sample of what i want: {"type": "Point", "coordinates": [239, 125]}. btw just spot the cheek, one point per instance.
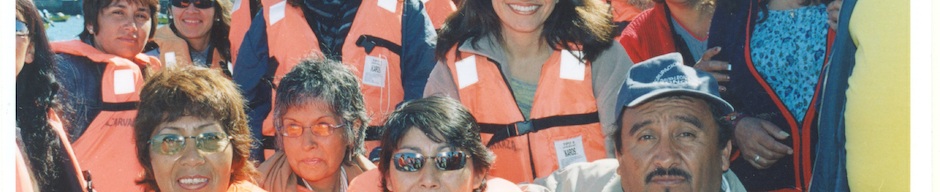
{"type": "Point", "coordinates": [162, 170]}
{"type": "Point", "coordinates": [222, 165]}
{"type": "Point", "coordinates": [401, 181]}
{"type": "Point", "coordinates": [461, 180]}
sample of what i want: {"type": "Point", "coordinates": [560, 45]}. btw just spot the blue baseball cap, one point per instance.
{"type": "Point", "coordinates": [667, 74]}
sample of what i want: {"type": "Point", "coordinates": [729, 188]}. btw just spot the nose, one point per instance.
{"type": "Point", "coordinates": [429, 178]}
{"type": "Point", "coordinates": [309, 141]}
{"type": "Point", "coordinates": [666, 154]}
{"type": "Point", "coordinates": [191, 156]}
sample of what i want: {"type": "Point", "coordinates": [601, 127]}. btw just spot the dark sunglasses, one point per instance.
{"type": "Point", "coordinates": [21, 28]}
{"type": "Point", "coordinates": [202, 4]}
{"type": "Point", "coordinates": [170, 144]}
{"type": "Point", "coordinates": [444, 161]}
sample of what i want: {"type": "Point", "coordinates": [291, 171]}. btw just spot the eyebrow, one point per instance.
{"type": "Point", "coordinates": [639, 125]}
{"type": "Point", "coordinates": [198, 127]}
{"type": "Point", "coordinates": [691, 120]}
{"type": "Point", "coordinates": [420, 151]}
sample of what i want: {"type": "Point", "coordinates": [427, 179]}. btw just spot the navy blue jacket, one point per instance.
{"type": "Point", "coordinates": [829, 173]}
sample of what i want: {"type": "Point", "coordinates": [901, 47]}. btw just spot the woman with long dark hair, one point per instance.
{"type": "Point", "coordinates": [539, 76]}
{"type": "Point", "coordinates": [196, 35]}
{"type": "Point", "coordinates": [46, 145]}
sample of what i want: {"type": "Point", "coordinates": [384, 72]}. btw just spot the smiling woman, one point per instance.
{"type": "Point", "coordinates": [197, 35]}
{"type": "Point", "coordinates": [192, 133]}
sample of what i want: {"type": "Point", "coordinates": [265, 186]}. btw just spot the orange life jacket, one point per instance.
{"type": "Point", "coordinates": [373, 47]}
{"type": "Point", "coordinates": [67, 149]}
{"type": "Point", "coordinates": [241, 21]}
{"type": "Point", "coordinates": [439, 10]}
{"type": "Point", "coordinates": [24, 179]}
{"type": "Point", "coordinates": [564, 125]}
{"type": "Point", "coordinates": [107, 147]}
{"type": "Point", "coordinates": [175, 50]}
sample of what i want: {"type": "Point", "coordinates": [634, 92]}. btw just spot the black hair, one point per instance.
{"type": "Point", "coordinates": [36, 88]}
{"type": "Point", "coordinates": [443, 120]}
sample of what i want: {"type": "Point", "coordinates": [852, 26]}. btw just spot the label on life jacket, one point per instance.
{"type": "Point", "coordinates": [571, 67]}
{"type": "Point", "coordinates": [389, 5]}
{"type": "Point", "coordinates": [124, 81]}
{"type": "Point", "coordinates": [467, 72]}
{"type": "Point", "coordinates": [375, 71]}
{"type": "Point", "coordinates": [570, 151]}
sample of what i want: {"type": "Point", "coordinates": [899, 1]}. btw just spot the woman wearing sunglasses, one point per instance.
{"type": "Point", "coordinates": [100, 76]}
{"type": "Point", "coordinates": [320, 118]}
{"type": "Point", "coordinates": [44, 146]}
{"type": "Point", "coordinates": [432, 144]}
{"type": "Point", "coordinates": [192, 133]}
{"type": "Point", "coordinates": [197, 35]}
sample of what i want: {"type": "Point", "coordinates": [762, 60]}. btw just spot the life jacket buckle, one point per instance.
{"type": "Point", "coordinates": [522, 128]}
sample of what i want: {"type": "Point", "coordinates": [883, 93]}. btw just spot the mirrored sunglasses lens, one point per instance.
{"type": "Point", "coordinates": [408, 162]}
{"type": "Point", "coordinates": [212, 142]}
{"type": "Point", "coordinates": [167, 144]}
{"type": "Point", "coordinates": [449, 161]}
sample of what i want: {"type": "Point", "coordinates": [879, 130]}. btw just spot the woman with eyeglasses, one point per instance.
{"type": "Point", "coordinates": [196, 35]}
{"type": "Point", "coordinates": [192, 133]}
{"type": "Point", "coordinates": [101, 74]}
{"type": "Point", "coordinates": [432, 144]}
{"type": "Point", "coordinates": [45, 151]}
{"type": "Point", "coordinates": [320, 119]}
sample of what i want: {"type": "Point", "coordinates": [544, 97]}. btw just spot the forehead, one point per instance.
{"type": "Point", "coordinates": [670, 108]}
{"type": "Point", "coordinates": [416, 138]}
{"type": "Point", "coordinates": [138, 4]}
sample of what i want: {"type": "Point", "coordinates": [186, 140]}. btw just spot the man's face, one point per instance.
{"type": "Point", "coordinates": [671, 144]}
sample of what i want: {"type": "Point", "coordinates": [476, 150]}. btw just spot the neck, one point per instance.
{"type": "Point", "coordinates": [199, 44]}
{"type": "Point", "coordinates": [326, 184]}
{"type": "Point", "coordinates": [524, 45]}
{"type": "Point", "coordinates": [695, 17]}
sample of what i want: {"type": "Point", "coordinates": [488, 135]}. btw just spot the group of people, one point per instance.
{"type": "Point", "coordinates": [495, 95]}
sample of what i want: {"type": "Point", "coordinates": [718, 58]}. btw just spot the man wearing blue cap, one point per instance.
{"type": "Point", "coordinates": [670, 137]}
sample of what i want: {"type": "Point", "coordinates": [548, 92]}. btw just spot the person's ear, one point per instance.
{"type": "Point", "coordinates": [726, 156]}
{"type": "Point", "coordinates": [388, 182]}
{"type": "Point", "coordinates": [479, 178]}
{"type": "Point", "coordinates": [30, 52]}
{"type": "Point", "coordinates": [91, 29]}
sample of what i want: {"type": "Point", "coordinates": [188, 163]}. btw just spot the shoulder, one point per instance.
{"type": "Point", "coordinates": [244, 186]}
{"type": "Point", "coordinates": [592, 175]}
{"type": "Point", "coordinates": [501, 185]}
{"type": "Point", "coordinates": [369, 181]}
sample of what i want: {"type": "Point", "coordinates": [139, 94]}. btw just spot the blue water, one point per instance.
{"type": "Point", "coordinates": [68, 30]}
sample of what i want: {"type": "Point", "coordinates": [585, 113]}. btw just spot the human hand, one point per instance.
{"type": "Point", "coordinates": [718, 69]}
{"type": "Point", "coordinates": [757, 140]}
{"type": "Point", "coordinates": [833, 9]}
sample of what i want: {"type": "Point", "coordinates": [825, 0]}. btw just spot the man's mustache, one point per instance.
{"type": "Point", "coordinates": [667, 172]}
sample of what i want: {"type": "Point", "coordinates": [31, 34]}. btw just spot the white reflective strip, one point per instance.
{"type": "Point", "coordinates": [276, 13]}
{"type": "Point", "coordinates": [388, 5]}
{"type": "Point", "coordinates": [238, 4]}
{"type": "Point", "coordinates": [571, 68]}
{"type": "Point", "coordinates": [169, 58]}
{"type": "Point", "coordinates": [467, 72]}
{"type": "Point", "coordinates": [124, 81]}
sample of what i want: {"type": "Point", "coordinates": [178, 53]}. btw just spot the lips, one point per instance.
{"type": "Point", "coordinates": [312, 161]}
{"type": "Point", "coordinates": [192, 182]}
{"type": "Point", "coordinates": [668, 180]}
{"type": "Point", "coordinates": [524, 9]}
